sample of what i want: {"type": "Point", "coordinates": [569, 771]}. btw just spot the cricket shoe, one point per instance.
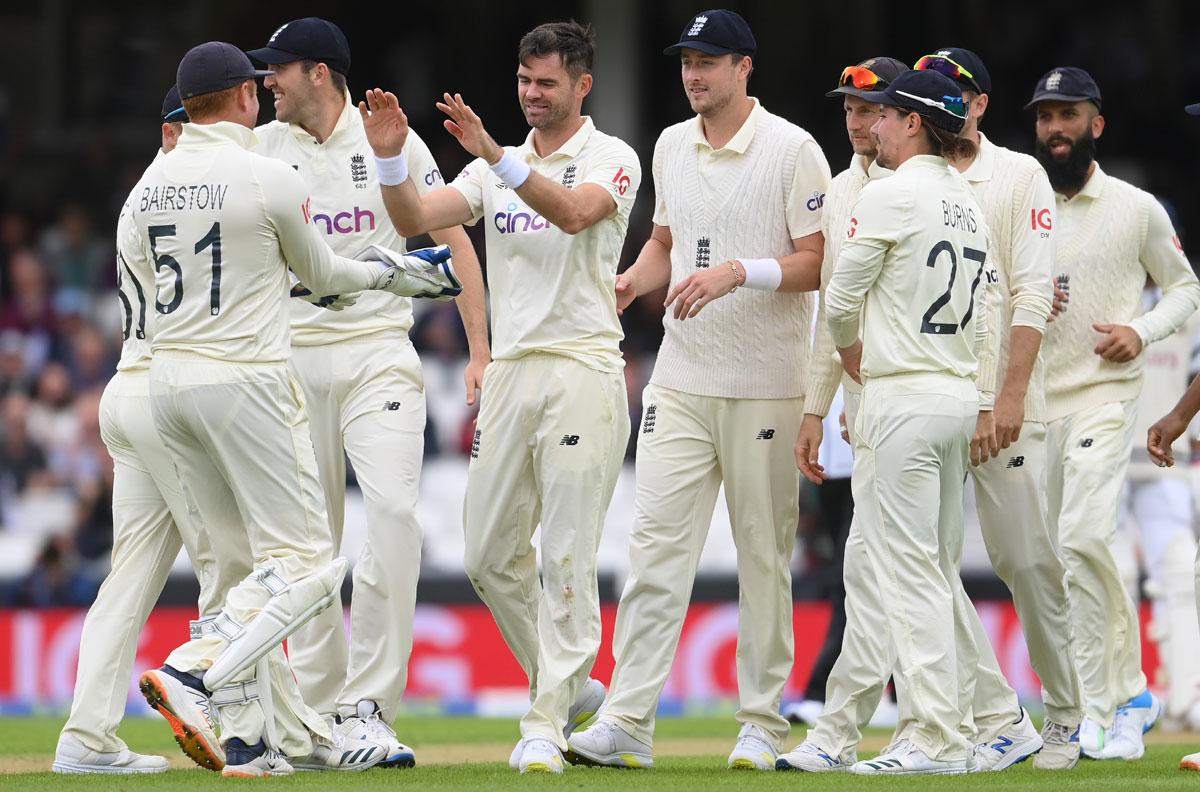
{"type": "Point", "coordinates": [1060, 747]}
{"type": "Point", "coordinates": [808, 758]}
{"type": "Point", "coordinates": [806, 711]}
{"type": "Point", "coordinates": [253, 761]}
{"type": "Point", "coordinates": [539, 755]}
{"type": "Point", "coordinates": [342, 753]}
{"type": "Point", "coordinates": [753, 750]}
{"type": "Point", "coordinates": [183, 701]}
{"type": "Point", "coordinates": [367, 725]}
{"type": "Point", "coordinates": [586, 705]}
{"type": "Point", "coordinates": [1190, 762]}
{"type": "Point", "coordinates": [905, 758]}
{"type": "Point", "coordinates": [605, 744]}
{"type": "Point", "coordinates": [73, 757]}
{"type": "Point", "coordinates": [1092, 737]}
{"type": "Point", "coordinates": [1016, 743]}
{"type": "Point", "coordinates": [1133, 719]}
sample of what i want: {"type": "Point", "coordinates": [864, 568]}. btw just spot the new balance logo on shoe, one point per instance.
{"type": "Point", "coordinates": [1015, 462]}
{"type": "Point", "coordinates": [1086, 443]}
{"type": "Point", "coordinates": [475, 445]}
{"type": "Point", "coordinates": [1002, 744]}
{"type": "Point", "coordinates": [765, 434]}
{"type": "Point", "coordinates": [391, 405]}
{"type": "Point", "coordinates": [569, 440]}
{"type": "Point", "coordinates": [648, 420]}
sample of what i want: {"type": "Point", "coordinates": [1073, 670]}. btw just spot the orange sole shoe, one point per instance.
{"type": "Point", "coordinates": [192, 742]}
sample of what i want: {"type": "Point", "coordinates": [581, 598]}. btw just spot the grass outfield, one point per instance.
{"type": "Point", "coordinates": [455, 753]}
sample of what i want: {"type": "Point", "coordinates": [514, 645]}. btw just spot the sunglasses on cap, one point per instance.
{"type": "Point", "coordinates": [953, 70]}
{"type": "Point", "coordinates": [860, 77]}
{"type": "Point", "coordinates": [954, 105]}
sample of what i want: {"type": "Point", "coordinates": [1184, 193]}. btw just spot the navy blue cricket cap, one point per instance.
{"type": "Point", "coordinates": [716, 32]}
{"type": "Point", "coordinates": [213, 66]}
{"type": "Point", "coordinates": [961, 65]}
{"type": "Point", "coordinates": [172, 109]}
{"type": "Point", "coordinates": [1194, 109]}
{"type": "Point", "coordinates": [932, 95]}
{"type": "Point", "coordinates": [882, 71]}
{"type": "Point", "coordinates": [311, 38]}
{"type": "Point", "coordinates": [1065, 84]}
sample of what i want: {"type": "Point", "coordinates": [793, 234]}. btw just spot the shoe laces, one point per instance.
{"type": "Point", "coordinates": [754, 738]}
{"type": "Point", "coordinates": [376, 729]}
{"type": "Point", "coordinates": [1056, 733]}
{"type": "Point", "coordinates": [901, 747]}
{"type": "Point", "coordinates": [542, 744]}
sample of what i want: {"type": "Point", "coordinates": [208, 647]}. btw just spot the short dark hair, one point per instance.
{"type": "Point", "coordinates": [336, 78]}
{"type": "Point", "coordinates": [574, 43]}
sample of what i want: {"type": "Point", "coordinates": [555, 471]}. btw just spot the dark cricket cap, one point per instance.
{"type": "Point", "coordinates": [1065, 84]}
{"type": "Point", "coordinates": [1194, 109]}
{"type": "Point", "coordinates": [933, 95]}
{"type": "Point", "coordinates": [886, 69]}
{"type": "Point", "coordinates": [716, 32]}
{"type": "Point", "coordinates": [213, 66]}
{"type": "Point", "coordinates": [311, 38]}
{"type": "Point", "coordinates": [172, 109]}
{"type": "Point", "coordinates": [979, 81]}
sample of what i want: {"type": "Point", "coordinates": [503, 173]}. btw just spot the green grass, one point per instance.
{"type": "Point", "coordinates": [456, 744]}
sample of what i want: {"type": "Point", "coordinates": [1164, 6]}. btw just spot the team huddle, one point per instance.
{"type": "Point", "coordinates": [972, 301]}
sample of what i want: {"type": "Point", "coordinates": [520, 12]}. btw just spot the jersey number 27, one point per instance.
{"type": "Point", "coordinates": [950, 328]}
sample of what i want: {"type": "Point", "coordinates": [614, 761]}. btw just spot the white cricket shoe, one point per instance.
{"type": "Point", "coordinates": [73, 757]}
{"type": "Point", "coordinates": [1060, 747]}
{"type": "Point", "coordinates": [342, 753]}
{"type": "Point", "coordinates": [253, 761]}
{"type": "Point", "coordinates": [367, 725]}
{"type": "Point", "coordinates": [183, 701]}
{"type": "Point", "coordinates": [811, 759]}
{"type": "Point", "coordinates": [806, 711]}
{"type": "Point", "coordinates": [1092, 737]}
{"type": "Point", "coordinates": [587, 704]}
{"type": "Point", "coordinates": [904, 758]}
{"type": "Point", "coordinates": [753, 750]}
{"type": "Point", "coordinates": [1133, 719]}
{"type": "Point", "coordinates": [1016, 743]}
{"type": "Point", "coordinates": [1190, 762]}
{"type": "Point", "coordinates": [539, 755]}
{"type": "Point", "coordinates": [606, 744]}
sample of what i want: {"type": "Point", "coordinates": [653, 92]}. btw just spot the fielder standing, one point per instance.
{"type": "Point", "coordinates": [737, 234]}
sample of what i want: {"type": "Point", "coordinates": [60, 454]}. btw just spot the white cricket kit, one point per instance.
{"type": "Point", "coordinates": [913, 272]}
{"type": "Point", "coordinates": [554, 419]}
{"type": "Point", "coordinates": [365, 399]}
{"type": "Point", "coordinates": [723, 405]}
{"type": "Point", "coordinates": [220, 226]}
{"type": "Point", "coordinates": [1010, 490]}
{"type": "Point", "coordinates": [1110, 236]}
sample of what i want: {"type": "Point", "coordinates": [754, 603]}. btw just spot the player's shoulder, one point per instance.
{"type": "Point", "coordinates": [677, 133]}
{"type": "Point", "coordinates": [1127, 192]}
{"type": "Point", "coordinates": [272, 136]}
{"type": "Point", "coordinates": [777, 127]}
{"type": "Point", "coordinates": [612, 144]}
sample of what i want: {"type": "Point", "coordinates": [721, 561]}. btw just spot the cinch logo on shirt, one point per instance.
{"type": "Point", "coordinates": [432, 177]}
{"type": "Point", "coordinates": [815, 202]}
{"type": "Point", "coordinates": [340, 222]}
{"type": "Point", "coordinates": [512, 221]}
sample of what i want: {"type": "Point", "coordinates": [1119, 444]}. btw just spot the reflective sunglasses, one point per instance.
{"type": "Point", "coordinates": [953, 70]}
{"type": "Point", "coordinates": [860, 77]}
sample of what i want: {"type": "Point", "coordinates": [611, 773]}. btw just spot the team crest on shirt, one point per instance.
{"type": "Point", "coordinates": [568, 177]}
{"type": "Point", "coordinates": [703, 253]}
{"type": "Point", "coordinates": [358, 171]}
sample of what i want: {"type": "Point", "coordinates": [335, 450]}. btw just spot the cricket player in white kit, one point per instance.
{"type": "Point", "coordinates": [553, 423]}
{"type": "Point", "coordinates": [220, 226]}
{"type": "Point", "coordinates": [362, 382]}
{"type": "Point", "coordinates": [1110, 235]}
{"type": "Point", "coordinates": [739, 193]}
{"type": "Point", "coordinates": [913, 275]}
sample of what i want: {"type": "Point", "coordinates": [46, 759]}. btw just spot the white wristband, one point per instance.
{"type": "Point", "coordinates": [391, 170]}
{"type": "Point", "coordinates": [765, 274]}
{"type": "Point", "coordinates": [511, 169]}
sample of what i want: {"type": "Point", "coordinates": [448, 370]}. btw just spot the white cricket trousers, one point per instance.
{"type": "Point", "coordinates": [688, 446]}
{"type": "Point", "coordinates": [910, 460]}
{"type": "Point", "coordinates": [1088, 455]}
{"type": "Point", "coordinates": [238, 437]}
{"type": "Point", "coordinates": [548, 448]}
{"type": "Point", "coordinates": [1010, 498]}
{"type": "Point", "coordinates": [150, 524]}
{"type": "Point", "coordinates": [366, 400]}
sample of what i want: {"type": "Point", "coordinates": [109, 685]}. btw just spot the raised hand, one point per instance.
{"type": "Point", "coordinates": [468, 130]}
{"type": "Point", "coordinates": [384, 122]}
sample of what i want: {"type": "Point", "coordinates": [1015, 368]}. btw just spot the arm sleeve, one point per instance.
{"type": "Point", "coordinates": [1032, 256]}
{"type": "Point", "coordinates": [618, 171]}
{"type": "Point", "coordinates": [871, 234]}
{"type": "Point", "coordinates": [806, 195]}
{"type": "Point", "coordinates": [825, 371]}
{"type": "Point", "coordinates": [305, 251]}
{"type": "Point", "coordinates": [1162, 257]}
{"type": "Point", "coordinates": [661, 216]}
{"type": "Point", "coordinates": [470, 183]}
{"type": "Point", "coordinates": [987, 344]}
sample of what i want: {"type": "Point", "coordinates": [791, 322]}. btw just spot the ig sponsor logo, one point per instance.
{"type": "Point", "coordinates": [1039, 220]}
{"type": "Point", "coordinates": [853, 228]}
{"type": "Point", "coordinates": [622, 180]}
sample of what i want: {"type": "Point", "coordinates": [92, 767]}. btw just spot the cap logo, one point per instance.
{"type": "Point", "coordinates": [942, 53]}
{"type": "Point", "coordinates": [697, 25]}
{"type": "Point", "coordinates": [1053, 80]}
{"type": "Point", "coordinates": [275, 35]}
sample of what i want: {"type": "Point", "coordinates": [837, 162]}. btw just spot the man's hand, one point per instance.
{"type": "Point", "coordinates": [852, 360]}
{"type": "Point", "coordinates": [1120, 344]}
{"type": "Point", "coordinates": [1160, 437]}
{"type": "Point", "coordinates": [473, 377]}
{"type": "Point", "coordinates": [842, 424]}
{"type": "Point", "coordinates": [1009, 415]}
{"type": "Point", "coordinates": [1061, 298]}
{"type": "Point", "coordinates": [385, 123]}
{"type": "Point", "coordinates": [700, 288]}
{"type": "Point", "coordinates": [808, 447]}
{"type": "Point", "coordinates": [983, 444]}
{"type": "Point", "coordinates": [626, 292]}
{"type": "Point", "coordinates": [468, 130]}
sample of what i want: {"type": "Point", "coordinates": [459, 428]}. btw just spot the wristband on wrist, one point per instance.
{"type": "Point", "coordinates": [391, 170]}
{"type": "Point", "coordinates": [511, 169]}
{"type": "Point", "coordinates": [764, 274]}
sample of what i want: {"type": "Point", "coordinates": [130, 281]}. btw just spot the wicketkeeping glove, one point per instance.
{"type": "Point", "coordinates": [427, 272]}
{"type": "Point", "coordinates": [332, 302]}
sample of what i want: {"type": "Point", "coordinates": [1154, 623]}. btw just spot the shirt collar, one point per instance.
{"type": "Point", "coordinates": [984, 164]}
{"type": "Point", "coordinates": [347, 117]}
{"type": "Point", "coordinates": [217, 134]}
{"type": "Point", "coordinates": [1094, 185]}
{"type": "Point", "coordinates": [740, 141]}
{"type": "Point", "coordinates": [570, 149]}
{"type": "Point", "coordinates": [923, 161]}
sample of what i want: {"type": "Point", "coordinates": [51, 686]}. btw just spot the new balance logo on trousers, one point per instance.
{"type": "Point", "coordinates": [765, 434]}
